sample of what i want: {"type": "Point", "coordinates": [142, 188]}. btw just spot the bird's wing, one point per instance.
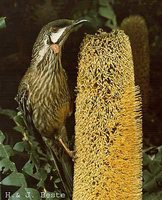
{"type": "Point", "coordinates": [63, 164]}
{"type": "Point", "coordinates": [25, 108]}
{"type": "Point", "coordinates": [24, 104]}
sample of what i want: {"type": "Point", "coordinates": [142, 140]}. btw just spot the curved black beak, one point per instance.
{"type": "Point", "coordinates": [79, 22]}
{"type": "Point", "coordinates": [70, 29]}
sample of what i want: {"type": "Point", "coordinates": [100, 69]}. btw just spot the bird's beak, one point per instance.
{"type": "Point", "coordinates": [69, 29]}
{"type": "Point", "coordinates": [79, 22]}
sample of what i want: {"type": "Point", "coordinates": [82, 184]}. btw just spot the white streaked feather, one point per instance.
{"type": "Point", "coordinates": [43, 51]}
{"type": "Point", "coordinates": [56, 36]}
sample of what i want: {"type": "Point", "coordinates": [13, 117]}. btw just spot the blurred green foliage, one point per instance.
{"type": "Point", "coordinates": [100, 13]}
{"type": "Point", "coordinates": [152, 173]}
{"type": "Point", "coordinates": [2, 22]}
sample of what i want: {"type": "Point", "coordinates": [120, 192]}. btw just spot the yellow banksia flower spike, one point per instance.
{"type": "Point", "coordinates": [135, 27]}
{"type": "Point", "coordinates": [108, 139]}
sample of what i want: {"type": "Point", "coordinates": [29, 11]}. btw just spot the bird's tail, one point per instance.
{"type": "Point", "coordinates": [59, 159]}
{"type": "Point", "coordinates": [63, 165]}
{"type": "Point", "coordinates": [67, 165]}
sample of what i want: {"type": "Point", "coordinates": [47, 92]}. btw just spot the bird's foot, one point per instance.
{"type": "Point", "coordinates": [72, 154]}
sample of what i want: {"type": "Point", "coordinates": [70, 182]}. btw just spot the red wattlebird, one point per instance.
{"type": "Point", "coordinates": [43, 94]}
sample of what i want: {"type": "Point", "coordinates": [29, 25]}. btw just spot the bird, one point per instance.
{"type": "Point", "coordinates": [43, 94]}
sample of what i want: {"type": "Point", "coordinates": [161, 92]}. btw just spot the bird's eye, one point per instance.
{"type": "Point", "coordinates": [54, 29]}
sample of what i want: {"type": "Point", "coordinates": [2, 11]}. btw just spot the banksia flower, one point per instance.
{"type": "Point", "coordinates": [135, 27]}
{"type": "Point", "coordinates": [108, 121]}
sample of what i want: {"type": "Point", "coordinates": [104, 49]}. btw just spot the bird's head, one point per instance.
{"type": "Point", "coordinates": [52, 37]}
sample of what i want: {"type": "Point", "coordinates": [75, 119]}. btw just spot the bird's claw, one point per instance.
{"type": "Point", "coordinates": [72, 154]}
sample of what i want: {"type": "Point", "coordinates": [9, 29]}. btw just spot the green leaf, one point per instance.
{"type": "Point", "coordinates": [103, 2]}
{"type": "Point", "coordinates": [58, 180]}
{"type": "Point", "coordinates": [8, 112]}
{"type": "Point", "coordinates": [104, 12]}
{"type": "Point", "coordinates": [15, 179]}
{"type": "Point", "coordinates": [20, 129]}
{"type": "Point", "coordinates": [2, 22]}
{"type": "Point", "coordinates": [20, 146]}
{"type": "Point", "coordinates": [48, 168]}
{"type": "Point", "coordinates": [41, 173]}
{"type": "Point", "coordinates": [152, 177]}
{"type": "Point", "coordinates": [25, 194]}
{"type": "Point", "coordinates": [108, 13]}
{"type": "Point", "coordinates": [29, 168]}
{"type": "Point", "coordinates": [150, 186]}
{"type": "Point", "coordinates": [155, 167]}
{"type": "Point", "coordinates": [158, 156]}
{"type": "Point", "coordinates": [147, 176]}
{"type": "Point", "coordinates": [42, 176]}
{"type": "Point", "coordinates": [6, 164]}
{"type": "Point", "coordinates": [152, 196]}
{"type": "Point", "coordinates": [160, 149]}
{"type": "Point", "coordinates": [2, 137]}
{"type": "Point", "coordinates": [110, 24]}
{"type": "Point", "coordinates": [18, 119]}
{"type": "Point", "coordinates": [6, 151]}
{"type": "Point", "coordinates": [146, 159]}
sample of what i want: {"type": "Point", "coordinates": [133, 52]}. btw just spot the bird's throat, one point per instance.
{"type": "Point", "coordinates": [56, 48]}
